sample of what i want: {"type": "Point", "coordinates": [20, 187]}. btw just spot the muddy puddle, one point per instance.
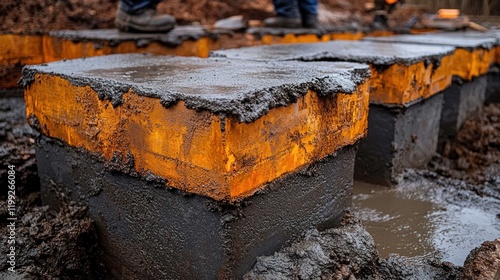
{"type": "Point", "coordinates": [421, 217]}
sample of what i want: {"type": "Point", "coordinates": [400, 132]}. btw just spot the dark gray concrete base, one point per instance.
{"type": "Point", "coordinates": [398, 138]}
{"type": "Point", "coordinates": [493, 89]}
{"type": "Point", "coordinates": [150, 232]}
{"type": "Point", "coordinates": [461, 101]}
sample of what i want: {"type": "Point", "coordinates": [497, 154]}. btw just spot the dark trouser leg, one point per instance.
{"type": "Point", "coordinates": [286, 8]}
{"type": "Point", "coordinates": [134, 6]}
{"type": "Point", "coordinates": [309, 12]}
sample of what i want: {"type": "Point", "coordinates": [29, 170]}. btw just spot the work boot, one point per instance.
{"type": "Point", "coordinates": [147, 20]}
{"type": "Point", "coordinates": [283, 22]}
{"type": "Point", "coordinates": [310, 21]}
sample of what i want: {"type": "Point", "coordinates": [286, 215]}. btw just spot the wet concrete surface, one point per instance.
{"type": "Point", "coordinates": [428, 215]}
{"type": "Point", "coordinates": [459, 40]}
{"type": "Point", "coordinates": [262, 31]}
{"type": "Point", "coordinates": [244, 89]}
{"type": "Point", "coordinates": [173, 38]}
{"type": "Point", "coordinates": [356, 51]}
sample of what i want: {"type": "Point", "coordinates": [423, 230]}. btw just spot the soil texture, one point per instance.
{"type": "Point", "coordinates": [474, 154]}
{"type": "Point", "coordinates": [39, 16]}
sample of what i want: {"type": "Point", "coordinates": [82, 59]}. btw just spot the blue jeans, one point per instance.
{"type": "Point", "coordinates": [134, 6]}
{"type": "Point", "coordinates": [295, 8]}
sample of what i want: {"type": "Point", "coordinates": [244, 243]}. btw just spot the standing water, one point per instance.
{"type": "Point", "coordinates": [423, 216]}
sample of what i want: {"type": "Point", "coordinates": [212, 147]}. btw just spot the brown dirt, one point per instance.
{"type": "Point", "coordinates": [38, 16]}
{"type": "Point", "coordinates": [483, 263]}
{"type": "Point", "coordinates": [474, 154]}
{"type": "Point", "coordinates": [17, 146]}
{"type": "Point", "coordinates": [49, 244]}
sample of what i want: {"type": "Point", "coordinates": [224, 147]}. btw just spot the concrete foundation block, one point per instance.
{"type": "Point", "coordinates": [461, 101]}
{"type": "Point", "coordinates": [398, 138]}
{"type": "Point", "coordinates": [192, 168]}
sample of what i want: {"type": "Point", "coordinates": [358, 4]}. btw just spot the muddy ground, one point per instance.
{"type": "Point", "coordinates": [39, 16]}
{"type": "Point", "coordinates": [63, 244]}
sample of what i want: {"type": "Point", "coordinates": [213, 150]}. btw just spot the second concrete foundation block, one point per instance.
{"type": "Point", "coordinates": [461, 101]}
{"type": "Point", "coordinates": [398, 138]}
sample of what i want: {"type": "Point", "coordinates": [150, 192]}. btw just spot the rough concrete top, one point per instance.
{"type": "Point", "coordinates": [454, 39]}
{"type": "Point", "coordinates": [244, 89]}
{"type": "Point", "coordinates": [262, 31]}
{"type": "Point", "coordinates": [174, 37]}
{"type": "Point", "coordinates": [357, 51]}
{"type": "Point", "coordinates": [490, 34]}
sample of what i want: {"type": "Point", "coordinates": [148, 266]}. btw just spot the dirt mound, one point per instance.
{"type": "Point", "coordinates": [474, 154]}
{"type": "Point", "coordinates": [38, 16]}
{"type": "Point", "coordinates": [50, 244]}
{"type": "Point", "coordinates": [484, 262]}
{"type": "Point", "coordinates": [345, 252]}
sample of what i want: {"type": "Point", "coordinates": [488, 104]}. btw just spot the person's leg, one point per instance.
{"type": "Point", "coordinates": [286, 8]}
{"type": "Point", "coordinates": [287, 15]}
{"type": "Point", "coordinates": [141, 16]}
{"type": "Point", "coordinates": [135, 6]}
{"type": "Point", "coordinates": [309, 13]}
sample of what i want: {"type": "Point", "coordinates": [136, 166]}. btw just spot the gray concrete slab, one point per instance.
{"type": "Point", "coordinates": [322, 30]}
{"type": "Point", "coordinates": [150, 232]}
{"type": "Point", "coordinates": [356, 51]}
{"type": "Point", "coordinates": [454, 39]}
{"type": "Point", "coordinates": [244, 89]}
{"type": "Point", "coordinates": [114, 36]}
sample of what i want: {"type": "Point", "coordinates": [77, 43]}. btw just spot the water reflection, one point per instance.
{"type": "Point", "coordinates": [414, 224]}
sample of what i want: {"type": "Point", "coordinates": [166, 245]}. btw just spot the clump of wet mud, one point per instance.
{"type": "Point", "coordinates": [474, 154]}
{"type": "Point", "coordinates": [50, 244]}
{"type": "Point", "coordinates": [484, 262]}
{"type": "Point", "coordinates": [345, 252]}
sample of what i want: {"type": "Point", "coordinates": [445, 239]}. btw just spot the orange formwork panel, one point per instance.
{"type": "Point", "coordinates": [210, 145]}
{"type": "Point", "coordinates": [475, 52]}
